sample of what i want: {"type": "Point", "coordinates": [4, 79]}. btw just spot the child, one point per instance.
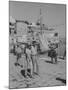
{"type": "Point", "coordinates": [52, 52]}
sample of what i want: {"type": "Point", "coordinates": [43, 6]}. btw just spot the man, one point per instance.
{"type": "Point", "coordinates": [34, 59]}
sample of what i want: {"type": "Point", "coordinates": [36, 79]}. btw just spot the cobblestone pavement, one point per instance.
{"type": "Point", "coordinates": [49, 74]}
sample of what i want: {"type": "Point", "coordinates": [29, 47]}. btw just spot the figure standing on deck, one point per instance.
{"type": "Point", "coordinates": [34, 58]}
{"type": "Point", "coordinates": [52, 53]}
{"type": "Point", "coordinates": [31, 65]}
{"type": "Point", "coordinates": [53, 44]}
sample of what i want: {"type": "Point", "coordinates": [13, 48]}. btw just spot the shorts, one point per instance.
{"type": "Point", "coordinates": [52, 53]}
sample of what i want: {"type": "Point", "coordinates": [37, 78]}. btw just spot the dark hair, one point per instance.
{"type": "Point", "coordinates": [28, 46]}
{"type": "Point", "coordinates": [56, 34]}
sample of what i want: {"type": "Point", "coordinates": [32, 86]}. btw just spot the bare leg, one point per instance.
{"type": "Point", "coordinates": [26, 64]}
{"type": "Point", "coordinates": [37, 67]}
{"type": "Point", "coordinates": [56, 59]}
{"type": "Point", "coordinates": [35, 64]}
{"type": "Point", "coordinates": [52, 59]}
{"type": "Point", "coordinates": [32, 57]}
{"type": "Point", "coordinates": [17, 59]}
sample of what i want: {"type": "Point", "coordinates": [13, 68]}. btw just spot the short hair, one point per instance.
{"type": "Point", "coordinates": [56, 34]}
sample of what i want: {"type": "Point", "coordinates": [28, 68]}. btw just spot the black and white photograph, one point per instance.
{"type": "Point", "coordinates": [37, 44]}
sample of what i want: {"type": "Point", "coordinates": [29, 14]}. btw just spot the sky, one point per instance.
{"type": "Point", "coordinates": [53, 14]}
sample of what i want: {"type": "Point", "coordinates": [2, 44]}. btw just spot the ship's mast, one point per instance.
{"type": "Point", "coordinates": [40, 20]}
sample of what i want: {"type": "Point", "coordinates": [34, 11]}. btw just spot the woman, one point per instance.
{"type": "Point", "coordinates": [27, 62]}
